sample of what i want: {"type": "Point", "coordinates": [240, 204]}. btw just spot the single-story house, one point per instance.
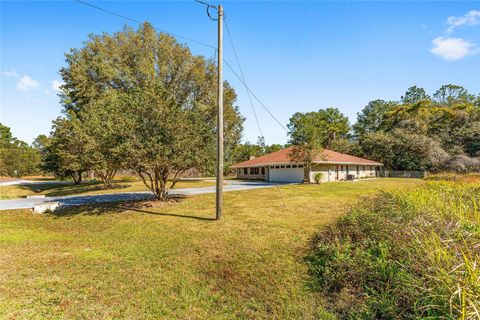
{"type": "Point", "coordinates": [332, 166]}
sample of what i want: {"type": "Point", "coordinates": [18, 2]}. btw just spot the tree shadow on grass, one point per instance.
{"type": "Point", "coordinates": [66, 188]}
{"type": "Point", "coordinates": [142, 206]}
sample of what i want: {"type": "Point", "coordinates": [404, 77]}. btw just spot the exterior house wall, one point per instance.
{"type": "Point", "coordinates": [252, 176]}
{"type": "Point", "coordinates": [329, 171]}
{"type": "Point", "coordinates": [367, 171]}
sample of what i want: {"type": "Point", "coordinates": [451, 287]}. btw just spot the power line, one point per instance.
{"type": "Point", "coordinates": [243, 77]}
{"type": "Point", "coordinates": [194, 41]}
{"type": "Point", "coordinates": [253, 94]}
{"type": "Point", "coordinates": [139, 22]}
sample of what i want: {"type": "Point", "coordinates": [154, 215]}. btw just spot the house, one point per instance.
{"type": "Point", "coordinates": [331, 165]}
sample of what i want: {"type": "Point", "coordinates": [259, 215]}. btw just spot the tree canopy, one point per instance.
{"type": "Point", "coordinates": [419, 132]}
{"type": "Point", "coordinates": [319, 129]}
{"type": "Point", "coordinates": [138, 99]}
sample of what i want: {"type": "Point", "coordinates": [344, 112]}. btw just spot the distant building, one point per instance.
{"type": "Point", "coordinates": [279, 167]}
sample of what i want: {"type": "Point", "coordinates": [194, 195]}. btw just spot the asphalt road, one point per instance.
{"type": "Point", "coordinates": [127, 196]}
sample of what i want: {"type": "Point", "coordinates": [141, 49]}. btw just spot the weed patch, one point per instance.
{"type": "Point", "coordinates": [404, 255]}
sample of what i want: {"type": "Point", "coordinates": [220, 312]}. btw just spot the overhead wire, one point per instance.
{"type": "Point", "coordinates": [139, 22]}
{"type": "Point", "coordinates": [243, 78]}
{"type": "Point", "coordinates": [255, 96]}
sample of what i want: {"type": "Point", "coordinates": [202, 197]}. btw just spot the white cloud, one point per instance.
{"type": "Point", "coordinates": [26, 82]}
{"type": "Point", "coordinates": [471, 18]}
{"type": "Point", "coordinates": [56, 85]}
{"type": "Point", "coordinates": [11, 73]}
{"type": "Point", "coordinates": [452, 48]}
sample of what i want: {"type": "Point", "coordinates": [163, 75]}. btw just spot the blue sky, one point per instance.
{"type": "Point", "coordinates": [296, 56]}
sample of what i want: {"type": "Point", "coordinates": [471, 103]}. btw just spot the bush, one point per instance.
{"type": "Point", "coordinates": [405, 255]}
{"type": "Point", "coordinates": [318, 177]}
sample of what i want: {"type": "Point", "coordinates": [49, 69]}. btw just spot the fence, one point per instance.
{"type": "Point", "coordinates": [402, 174]}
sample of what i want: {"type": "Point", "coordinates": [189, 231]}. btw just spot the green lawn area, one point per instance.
{"type": "Point", "coordinates": [170, 261]}
{"type": "Point", "coordinates": [67, 188]}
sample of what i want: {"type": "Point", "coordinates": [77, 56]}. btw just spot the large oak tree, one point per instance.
{"type": "Point", "coordinates": [147, 103]}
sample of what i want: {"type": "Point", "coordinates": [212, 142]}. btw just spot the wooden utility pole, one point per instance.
{"type": "Point", "coordinates": [219, 169]}
{"type": "Point", "coordinates": [219, 191]}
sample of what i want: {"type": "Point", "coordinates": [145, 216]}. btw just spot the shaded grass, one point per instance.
{"type": "Point", "coordinates": [169, 260]}
{"type": "Point", "coordinates": [66, 188]}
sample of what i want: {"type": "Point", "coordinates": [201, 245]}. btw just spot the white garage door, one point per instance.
{"type": "Point", "coordinates": [286, 175]}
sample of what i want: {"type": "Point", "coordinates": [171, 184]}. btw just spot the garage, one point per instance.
{"type": "Point", "coordinates": [279, 174]}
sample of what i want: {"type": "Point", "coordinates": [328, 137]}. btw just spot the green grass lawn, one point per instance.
{"type": "Point", "coordinates": [170, 261]}
{"type": "Point", "coordinates": [67, 188]}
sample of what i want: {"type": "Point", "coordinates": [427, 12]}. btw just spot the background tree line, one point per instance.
{"type": "Point", "coordinates": [17, 158]}
{"type": "Point", "coordinates": [418, 132]}
{"type": "Point", "coordinates": [422, 132]}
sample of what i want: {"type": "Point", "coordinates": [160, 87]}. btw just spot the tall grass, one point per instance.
{"type": "Point", "coordinates": [404, 255]}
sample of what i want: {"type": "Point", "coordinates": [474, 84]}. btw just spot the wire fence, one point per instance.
{"type": "Point", "coordinates": [402, 174]}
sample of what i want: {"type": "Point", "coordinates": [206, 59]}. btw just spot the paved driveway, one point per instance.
{"type": "Point", "coordinates": [15, 182]}
{"type": "Point", "coordinates": [127, 196]}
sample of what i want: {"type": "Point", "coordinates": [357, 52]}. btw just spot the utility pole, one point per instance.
{"type": "Point", "coordinates": [219, 191]}
{"type": "Point", "coordinates": [219, 169]}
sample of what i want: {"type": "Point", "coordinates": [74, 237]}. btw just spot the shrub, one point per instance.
{"type": "Point", "coordinates": [318, 177]}
{"type": "Point", "coordinates": [404, 255]}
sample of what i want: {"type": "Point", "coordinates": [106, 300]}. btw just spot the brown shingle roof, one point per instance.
{"type": "Point", "coordinates": [283, 156]}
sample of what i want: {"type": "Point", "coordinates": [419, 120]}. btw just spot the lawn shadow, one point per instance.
{"type": "Point", "coordinates": [67, 188]}
{"type": "Point", "coordinates": [142, 206]}
{"type": "Point", "coordinates": [173, 215]}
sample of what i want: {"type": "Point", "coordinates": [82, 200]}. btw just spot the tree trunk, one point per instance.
{"type": "Point", "coordinates": [156, 181]}
{"type": "Point", "coordinates": [107, 177]}
{"type": "Point", "coordinates": [77, 177]}
{"type": "Point", "coordinates": [176, 177]}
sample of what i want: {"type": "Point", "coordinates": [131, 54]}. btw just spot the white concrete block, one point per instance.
{"type": "Point", "coordinates": [44, 207]}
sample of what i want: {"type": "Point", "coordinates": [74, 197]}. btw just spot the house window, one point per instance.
{"type": "Point", "coordinates": [276, 167]}
{"type": "Point", "coordinates": [289, 166]}
{"type": "Point", "coordinates": [283, 167]}
{"type": "Point", "coordinates": [363, 168]}
{"type": "Point", "coordinates": [272, 167]}
{"type": "Point", "coordinates": [358, 170]}
{"type": "Point", "coordinates": [341, 168]}
{"type": "Point", "coordinates": [263, 170]}
{"type": "Point", "coordinates": [251, 170]}
{"type": "Point", "coordinates": [294, 165]}
{"type": "Point", "coordinates": [300, 165]}
{"type": "Point", "coordinates": [245, 171]}
{"type": "Point", "coordinates": [256, 170]}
